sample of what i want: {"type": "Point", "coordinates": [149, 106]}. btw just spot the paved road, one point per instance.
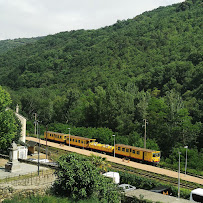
{"type": "Point", "coordinates": [119, 161]}
{"type": "Point", "coordinates": [155, 197]}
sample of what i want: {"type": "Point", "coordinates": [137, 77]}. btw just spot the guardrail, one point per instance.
{"type": "Point", "coordinates": [52, 165]}
{"type": "Point", "coordinates": [44, 177]}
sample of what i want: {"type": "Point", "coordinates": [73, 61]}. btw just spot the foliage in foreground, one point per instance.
{"type": "Point", "coordinates": [9, 125]}
{"type": "Point", "coordinates": [78, 179]}
{"type": "Point", "coordinates": [46, 199]}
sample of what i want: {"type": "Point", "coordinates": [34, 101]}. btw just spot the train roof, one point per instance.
{"type": "Point", "coordinates": [135, 148]}
{"type": "Point", "coordinates": [55, 133]}
{"type": "Point", "coordinates": [72, 136]}
{"type": "Point", "coordinates": [82, 138]}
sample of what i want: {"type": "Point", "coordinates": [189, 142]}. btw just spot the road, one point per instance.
{"type": "Point", "coordinates": [120, 161]}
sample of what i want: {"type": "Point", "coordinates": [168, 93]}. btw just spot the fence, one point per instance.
{"type": "Point", "coordinates": [31, 179]}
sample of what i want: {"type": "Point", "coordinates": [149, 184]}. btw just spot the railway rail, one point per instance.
{"type": "Point", "coordinates": [163, 179]}
{"type": "Point", "coordinates": [188, 173]}
{"type": "Point", "coordinates": [159, 173]}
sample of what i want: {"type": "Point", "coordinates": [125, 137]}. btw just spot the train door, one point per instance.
{"type": "Point", "coordinates": [143, 156]}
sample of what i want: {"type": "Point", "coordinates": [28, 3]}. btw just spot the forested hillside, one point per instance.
{"type": "Point", "coordinates": [6, 45]}
{"type": "Point", "coordinates": [148, 67]}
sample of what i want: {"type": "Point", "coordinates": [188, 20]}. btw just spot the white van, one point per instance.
{"type": "Point", "coordinates": [114, 175]}
{"type": "Point", "coordinates": [196, 195]}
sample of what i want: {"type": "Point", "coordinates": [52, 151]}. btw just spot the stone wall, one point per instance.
{"type": "Point", "coordinates": [9, 192]}
{"type": "Point", "coordinates": [37, 185]}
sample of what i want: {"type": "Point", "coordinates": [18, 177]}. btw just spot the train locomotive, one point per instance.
{"type": "Point", "coordinates": [121, 150]}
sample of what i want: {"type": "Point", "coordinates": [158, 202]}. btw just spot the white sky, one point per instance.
{"type": "Point", "coordinates": [32, 18]}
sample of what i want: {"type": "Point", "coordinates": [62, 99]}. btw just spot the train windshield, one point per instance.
{"type": "Point", "coordinates": [156, 154]}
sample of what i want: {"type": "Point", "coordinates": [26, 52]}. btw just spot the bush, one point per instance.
{"type": "Point", "coordinates": [78, 179]}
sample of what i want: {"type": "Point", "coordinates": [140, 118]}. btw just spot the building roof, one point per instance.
{"type": "Point", "coordinates": [135, 148]}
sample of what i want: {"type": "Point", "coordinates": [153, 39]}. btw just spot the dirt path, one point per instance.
{"type": "Point", "coordinates": [119, 161]}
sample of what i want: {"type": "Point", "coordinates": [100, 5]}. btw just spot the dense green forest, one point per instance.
{"type": "Point", "coordinates": [6, 45]}
{"type": "Point", "coordinates": [148, 67]}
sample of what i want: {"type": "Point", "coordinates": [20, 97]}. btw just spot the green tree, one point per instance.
{"type": "Point", "coordinates": [8, 124]}
{"type": "Point", "coordinates": [78, 178]}
{"type": "Point", "coordinates": [99, 162]}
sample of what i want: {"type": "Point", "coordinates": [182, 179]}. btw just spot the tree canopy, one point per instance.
{"type": "Point", "coordinates": [149, 67]}
{"type": "Point", "coordinates": [78, 178]}
{"type": "Point", "coordinates": [9, 129]}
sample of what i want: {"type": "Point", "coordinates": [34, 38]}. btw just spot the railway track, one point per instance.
{"type": "Point", "coordinates": [188, 173]}
{"type": "Point", "coordinates": [154, 176]}
{"type": "Point", "coordinates": [164, 176]}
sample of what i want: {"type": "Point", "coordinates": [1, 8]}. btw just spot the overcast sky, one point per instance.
{"type": "Point", "coordinates": [32, 18]}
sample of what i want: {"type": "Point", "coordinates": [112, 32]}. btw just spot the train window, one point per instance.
{"type": "Point", "coordinates": [127, 150]}
{"type": "Point", "coordinates": [78, 141]}
{"type": "Point", "coordinates": [119, 149]}
{"type": "Point", "coordinates": [73, 140]}
{"type": "Point", "coordinates": [123, 149]}
{"type": "Point", "coordinates": [156, 155]}
{"type": "Point", "coordinates": [60, 136]}
{"type": "Point", "coordinates": [138, 152]}
{"type": "Point", "coordinates": [133, 151]}
{"type": "Point", "coordinates": [81, 141]}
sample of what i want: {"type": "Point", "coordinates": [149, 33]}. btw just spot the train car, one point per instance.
{"type": "Point", "coordinates": [142, 154]}
{"type": "Point", "coordinates": [101, 147]}
{"type": "Point", "coordinates": [79, 141]}
{"type": "Point", "coordinates": [58, 137]}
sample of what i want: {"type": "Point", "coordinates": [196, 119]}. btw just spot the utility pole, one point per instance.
{"type": "Point", "coordinates": [186, 147]}
{"type": "Point", "coordinates": [114, 145]}
{"type": "Point", "coordinates": [38, 135]}
{"type": "Point", "coordinates": [179, 176]}
{"type": "Point", "coordinates": [35, 116]}
{"type": "Point", "coordinates": [145, 131]}
{"type": "Point", "coordinates": [46, 143]}
{"type": "Point", "coordinates": [37, 131]}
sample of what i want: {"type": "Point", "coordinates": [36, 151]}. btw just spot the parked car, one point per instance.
{"type": "Point", "coordinates": [126, 187]}
{"type": "Point", "coordinates": [163, 190]}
